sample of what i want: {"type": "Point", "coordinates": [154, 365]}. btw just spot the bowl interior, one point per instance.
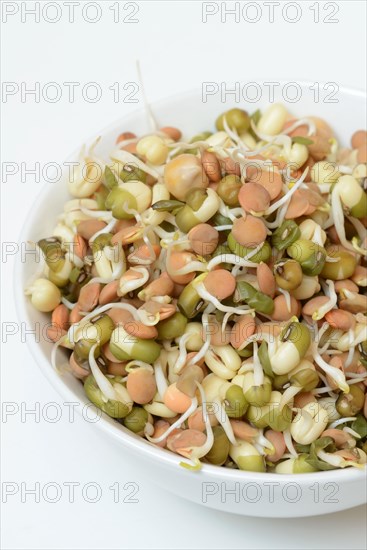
{"type": "Point", "coordinates": [189, 113]}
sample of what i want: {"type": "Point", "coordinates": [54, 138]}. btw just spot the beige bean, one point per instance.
{"type": "Point", "coordinates": [77, 370]}
{"type": "Point", "coordinates": [164, 310]}
{"type": "Point", "coordinates": [340, 319]}
{"type": "Point", "coordinates": [200, 362]}
{"type": "Point", "coordinates": [313, 195]}
{"type": "Point", "coordinates": [355, 364]}
{"type": "Point", "coordinates": [138, 329]}
{"type": "Point", "coordinates": [60, 317]}
{"type": "Point", "coordinates": [220, 283]}
{"type": "Point", "coordinates": [177, 290]}
{"type": "Point", "coordinates": [54, 333]}
{"type": "Point", "coordinates": [160, 427]}
{"type": "Point", "coordinates": [269, 329]}
{"type": "Point", "coordinates": [141, 385]}
{"type": "Point", "coordinates": [347, 454]}
{"type": "Point", "coordinates": [277, 440]}
{"type": "Point", "coordinates": [320, 147]}
{"type": "Point", "coordinates": [119, 316]}
{"type": "Point", "coordinates": [131, 148]}
{"type": "Point", "coordinates": [308, 164]}
{"type": "Point", "coordinates": [88, 297]}
{"type": "Point", "coordinates": [243, 431]}
{"type": "Point", "coordinates": [321, 144]}
{"type": "Point", "coordinates": [211, 166]}
{"type": "Point", "coordinates": [185, 440]}
{"type": "Point", "coordinates": [132, 301]}
{"type": "Point", "coordinates": [254, 198]}
{"type": "Point", "coordinates": [203, 239]}
{"type": "Point", "coordinates": [116, 369]}
{"type": "Point", "coordinates": [176, 400]}
{"type": "Point", "coordinates": [281, 312]}
{"type": "Point", "coordinates": [163, 286]}
{"type": "Point", "coordinates": [302, 399]}
{"type": "Point", "coordinates": [171, 132]}
{"type": "Point", "coordinates": [125, 136]}
{"type": "Point", "coordinates": [362, 154]}
{"type": "Point", "coordinates": [359, 276]}
{"type": "Point", "coordinates": [308, 288]}
{"type": "Point", "coordinates": [79, 246]}
{"type": "Point", "coordinates": [231, 167]}
{"type": "Point", "coordinates": [346, 284]}
{"type": "Point", "coordinates": [310, 210]}
{"type": "Point", "coordinates": [172, 435]}
{"type": "Point", "coordinates": [359, 138]}
{"type": "Point", "coordinates": [59, 323]}
{"type": "Point", "coordinates": [129, 276]}
{"type": "Point", "coordinates": [172, 419]}
{"type": "Point", "coordinates": [337, 362]}
{"type": "Point", "coordinates": [93, 271]}
{"type": "Point", "coordinates": [123, 224]}
{"type": "Point", "coordinates": [253, 170]}
{"type": "Point", "coordinates": [107, 353]}
{"type": "Point", "coordinates": [75, 315]}
{"type": "Point", "coordinates": [355, 304]}
{"type": "Point", "coordinates": [127, 235]}
{"type": "Point", "coordinates": [217, 337]}
{"type": "Point", "coordinates": [176, 261]}
{"type": "Point", "coordinates": [271, 180]}
{"type": "Point", "coordinates": [143, 253]}
{"type": "Point", "coordinates": [183, 173]}
{"type": "Point", "coordinates": [213, 185]}
{"type": "Point", "coordinates": [241, 330]}
{"type": "Point", "coordinates": [333, 235]}
{"type": "Point", "coordinates": [87, 228]}
{"type": "Point", "coordinates": [314, 305]}
{"type": "Point", "coordinates": [196, 420]}
{"type": "Point", "coordinates": [249, 231]}
{"type": "Point", "coordinates": [188, 379]}
{"type": "Point", "coordinates": [266, 279]}
{"type": "Point", "coordinates": [301, 131]}
{"type": "Point", "coordinates": [298, 205]}
{"type": "Point", "coordinates": [322, 126]}
{"type": "Point", "coordinates": [109, 293]}
{"type": "Point", "coordinates": [341, 438]}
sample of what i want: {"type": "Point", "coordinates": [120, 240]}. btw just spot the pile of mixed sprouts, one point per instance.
{"type": "Point", "coordinates": [211, 291]}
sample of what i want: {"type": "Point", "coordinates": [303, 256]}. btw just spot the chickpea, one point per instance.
{"type": "Point", "coordinates": [183, 173]}
{"type": "Point", "coordinates": [273, 119]}
{"type": "Point", "coordinates": [45, 296]}
{"type": "Point", "coordinates": [153, 148]}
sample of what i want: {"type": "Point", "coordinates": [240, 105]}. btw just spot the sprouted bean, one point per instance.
{"type": "Point", "coordinates": [210, 292]}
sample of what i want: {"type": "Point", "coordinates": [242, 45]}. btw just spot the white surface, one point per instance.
{"type": "Point", "coordinates": [177, 51]}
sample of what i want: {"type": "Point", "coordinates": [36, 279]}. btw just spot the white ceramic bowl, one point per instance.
{"type": "Point", "coordinates": [246, 493]}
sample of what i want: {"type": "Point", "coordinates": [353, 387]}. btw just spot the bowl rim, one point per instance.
{"type": "Point", "coordinates": [105, 423]}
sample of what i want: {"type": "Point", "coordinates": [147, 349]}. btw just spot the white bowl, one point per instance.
{"type": "Point", "coordinates": [234, 491]}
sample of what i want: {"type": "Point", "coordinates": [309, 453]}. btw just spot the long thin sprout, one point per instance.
{"type": "Point", "coordinates": [177, 424]}
{"type": "Point", "coordinates": [223, 419]}
{"type": "Point", "coordinates": [286, 198]}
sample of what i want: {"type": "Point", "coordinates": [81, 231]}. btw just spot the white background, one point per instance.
{"type": "Point", "coordinates": [177, 51]}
